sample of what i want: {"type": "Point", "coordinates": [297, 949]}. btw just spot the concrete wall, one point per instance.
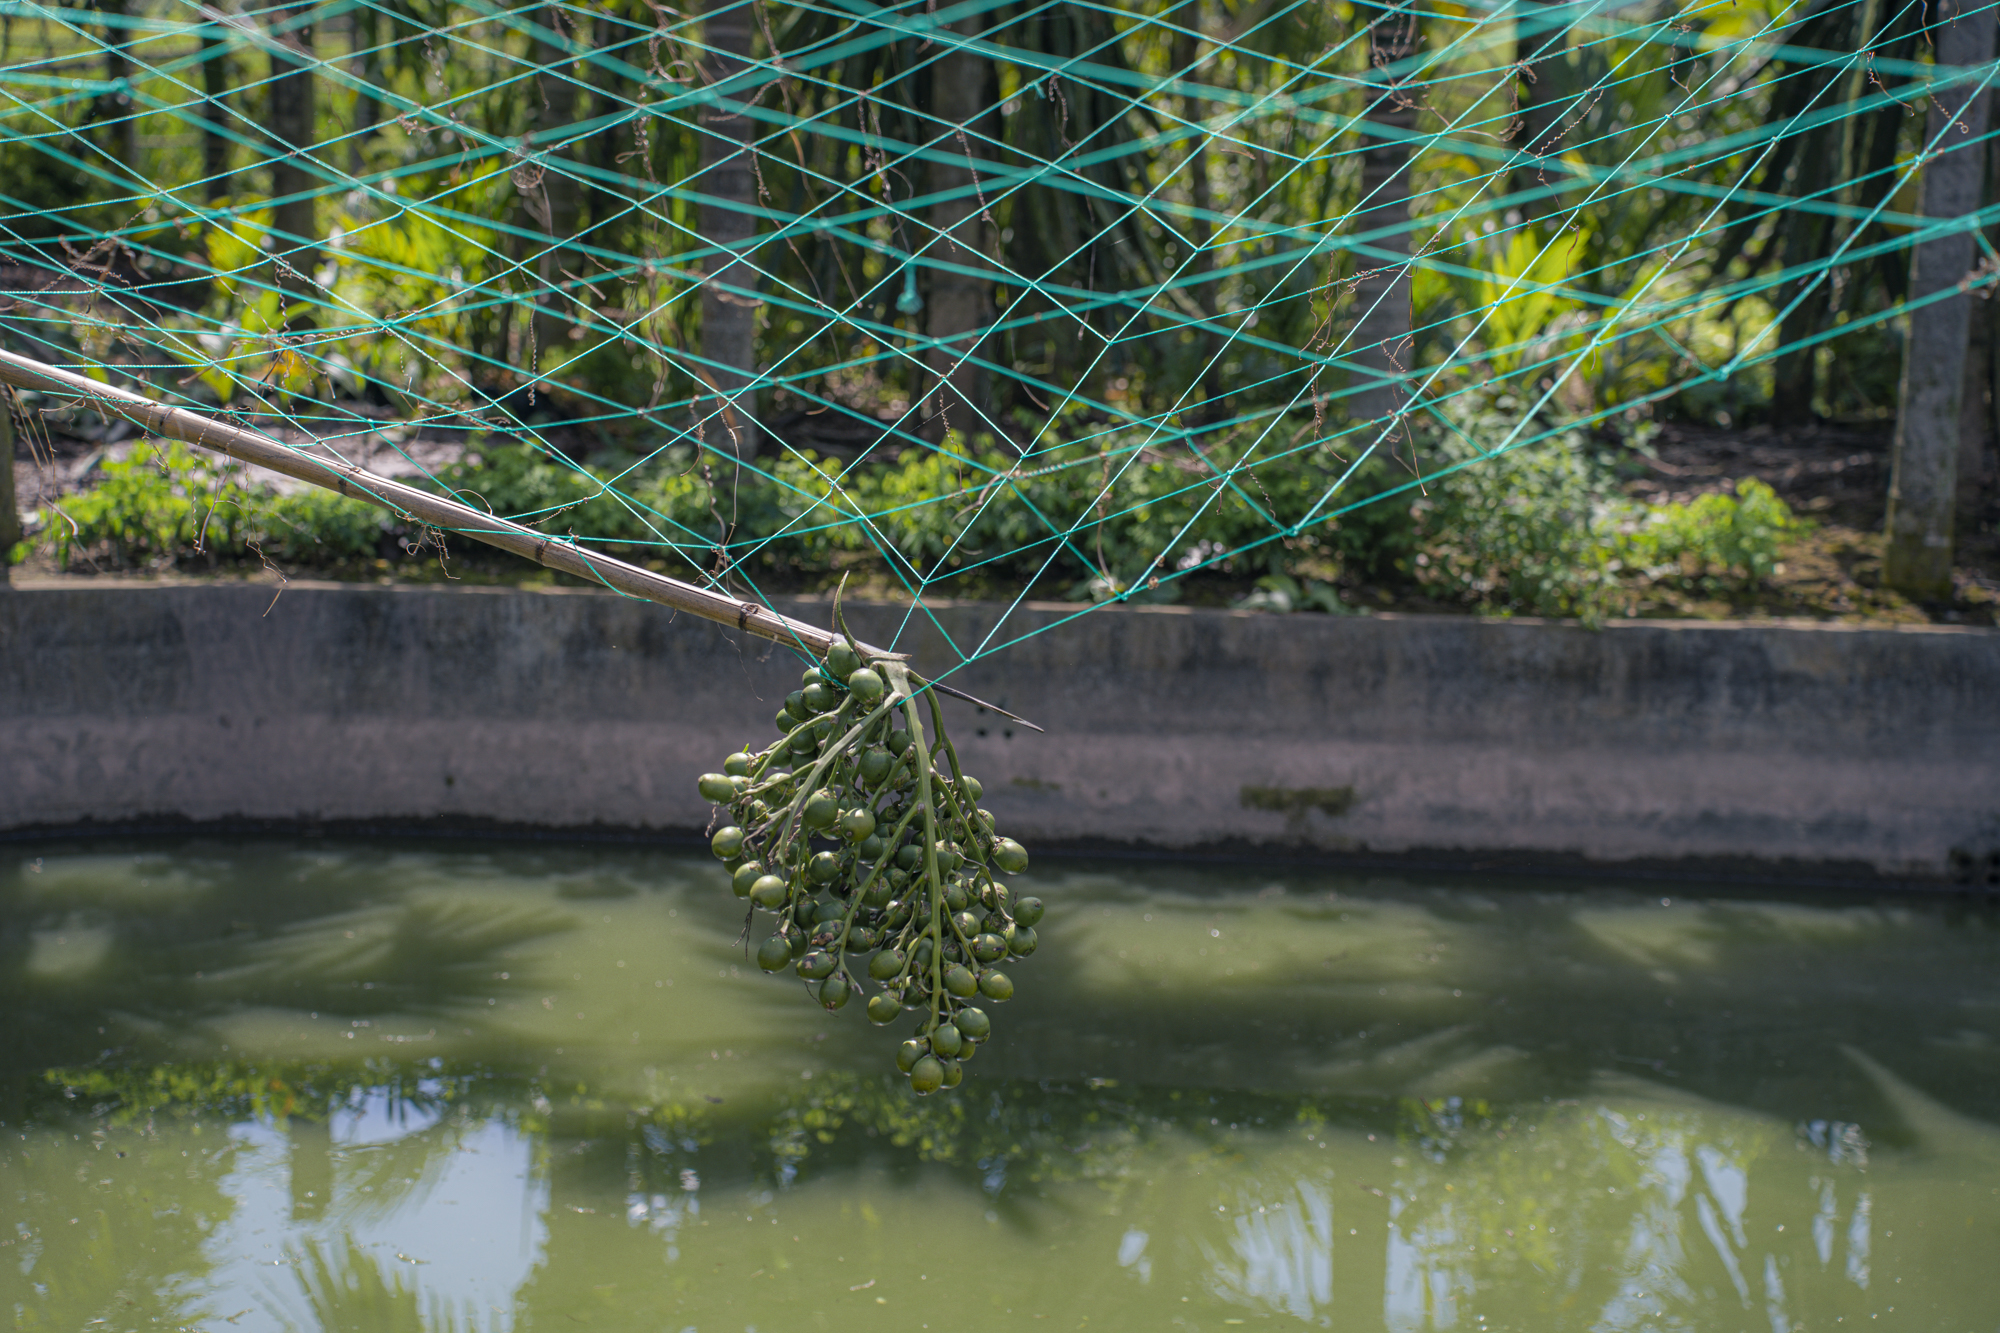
{"type": "Point", "coordinates": [1810, 747]}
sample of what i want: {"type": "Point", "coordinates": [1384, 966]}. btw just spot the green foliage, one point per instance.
{"type": "Point", "coordinates": [1715, 537]}
{"type": "Point", "coordinates": [163, 506]}
{"type": "Point", "coordinates": [1541, 528]}
{"type": "Point", "coordinates": [1532, 529]}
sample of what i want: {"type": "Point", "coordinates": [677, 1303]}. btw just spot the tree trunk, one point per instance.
{"type": "Point", "coordinates": [10, 515]}
{"type": "Point", "coordinates": [961, 304]}
{"type": "Point", "coordinates": [1923, 474]}
{"type": "Point", "coordinates": [121, 109]}
{"type": "Point", "coordinates": [728, 192]}
{"type": "Point", "coordinates": [1975, 413]}
{"type": "Point", "coordinates": [1382, 346]}
{"type": "Point", "coordinates": [1980, 403]}
{"type": "Point", "coordinates": [215, 113]}
{"type": "Point", "coordinates": [1539, 104]}
{"type": "Point", "coordinates": [560, 193]}
{"type": "Point", "coordinates": [295, 240]}
{"type": "Point", "coordinates": [366, 27]}
{"type": "Point", "coordinates": [1201, 227]}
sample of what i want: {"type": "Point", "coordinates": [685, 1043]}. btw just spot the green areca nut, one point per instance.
{"type": "Point", "coordinates": [916, 898]}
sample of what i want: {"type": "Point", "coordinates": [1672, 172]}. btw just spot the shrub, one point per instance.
{"type": "Point", "coordinates": [1715, 537]}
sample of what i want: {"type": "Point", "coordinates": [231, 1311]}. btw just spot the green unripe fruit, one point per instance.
{"type": "Point", "coordinates": [727, 844]}
{"type": "Point", "coordinates": [817, 965]}
{"type": "Point", "coordinates": [878, 893]}
{"type": "Point", "coordinates": [946, 1040]}
{"type": "Point", "coordinates": [971, 787]}
{"type": "Point", "coordinates": [715, 788]}
{"type": "Point", "coordinates": [857, 824]}
{"type": "Point", "coordinates": [910, 1052]}
{"type": "Point", "coordinates": [738, 765]}
{"type": "Point", "coordinates": [958, 979]}
{"type": "Point", "coordinates": [1009, 855]}
{"type": "Point", "coordinates": [995, 897]}
{"type": "Point", "coordinates": [795, 704]}
{"type": "Point", "coordinates": [953, 1075]}
{"type": "Point", "coordinates": [995, 986]}
{"type": "Point", "coordinates": [745, 878]}
{"type": "Point", "coordinates": [863, 938]}
{"type": "Point", "coordinates": [799, 945]}
{"type": "Point", "coordinates": [883, 1008]}
{"type": "Point", "coordinates": [810, 677]}
{"type": "Point", "coordinates": [804, 912]}
{"type": "Point", "coordinates": [822, 808]}
{"type": "Point", "coordinates": [867, 686]}
{"type": "Point", "coordinates": [774, 953]}
{"type": "Point", "coordinates": [948, 857]}
{"type": "Point", "coordinates": [875, 764]}
{"type": "Point", "coordinates": [973, 1023]}
{"type": "Point", "coordinates": [1023, 942]}
{"type": "Point", "coordinates": [768, 892]}
{"type": "Point", "coordinates": [926, 1076]}
{"type": "Point", "coordinates": [870, 848]}
{"type": "Point", "coordinates": [886, 964]}
{"type": "Point", "coordinates": [842, 661]}
{"type": "Point", "coordinates": [989, 948]}
{"type": "Point", "coordinates": [824, 867]}
{"type": "Point", "coordinates": [910, 856]}
{"type": "Point", "coordinates": [820, 699]}
{"type": "Point", "coordinates": [1027, 912]}
{"type": "Point", "coordinates": [805, 746]}
{"type": "Point", "coordinates": [983, 820]}
{"type": "Point", "coordinates": [965, 923]}
{"type": "Point", "coordinates": [830, 911]}
{"type": "Point", "coordinates": [899, 741]}
{"type": "Point", "coordinates": [834, 991]}
{"type": "Point", "coordinates": [785, 720]}
{"type": "Point", "coordinates": [955, 896]}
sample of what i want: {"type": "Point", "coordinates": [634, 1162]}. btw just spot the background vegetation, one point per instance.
{"type": "Point", "coordinates": [1624, 217]}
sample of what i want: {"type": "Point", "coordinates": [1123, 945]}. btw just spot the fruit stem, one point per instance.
{"type": "Point", "coordinates": [834, 750]}
{"type": "Point", "coordinates": [933, 886]}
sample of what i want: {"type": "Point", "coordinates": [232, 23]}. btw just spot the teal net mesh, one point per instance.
{"type": "Point", "coordinates": [1001, 299]}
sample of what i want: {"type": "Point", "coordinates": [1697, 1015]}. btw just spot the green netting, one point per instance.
{"type": "Point", "coordinates": [1214, 276]}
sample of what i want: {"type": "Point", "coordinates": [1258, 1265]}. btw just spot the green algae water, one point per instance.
{"type": "Point", "coordinates": [352, 1086]}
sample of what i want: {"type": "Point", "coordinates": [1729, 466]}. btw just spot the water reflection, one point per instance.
{"type": "Point", "coordinates": [448, 1091]}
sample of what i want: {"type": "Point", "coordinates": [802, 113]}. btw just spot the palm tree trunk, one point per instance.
{"type": "Point", "coordinates": [215, 112]}
{"type": "Point", "coordinates": [1201, 227]}
{"type": "Point", "coordinates": [10, 516]}
{"type": "Point", "coordinates": [1539, 102]}
{"type": "Point", "coordinates": [728, 192]}
{"type": "Point", "coordinates": [1923, 473]}
{"type": "Point", "coordinates": [961, 304]}
{"type": "Point", "coordinates": [1382, 346]}
{"type": "Point", "coordinates": [119, 108]}
{"type": "Point", "coordinates": [295, 243]}
{"type": "Point", "coordinates": [555, 94]}
{"type": "Point", "coordinates": [366, 27]}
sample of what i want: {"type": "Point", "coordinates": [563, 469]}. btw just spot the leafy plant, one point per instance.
{"type": "Point", "coordinates": [1715, 536]}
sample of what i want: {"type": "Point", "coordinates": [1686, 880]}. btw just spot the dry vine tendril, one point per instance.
{"type": "Point", "coordinates": [874, 843]}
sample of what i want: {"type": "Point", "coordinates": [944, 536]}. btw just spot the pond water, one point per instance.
{"type": "Point", "coordinates": [354, 1086]}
